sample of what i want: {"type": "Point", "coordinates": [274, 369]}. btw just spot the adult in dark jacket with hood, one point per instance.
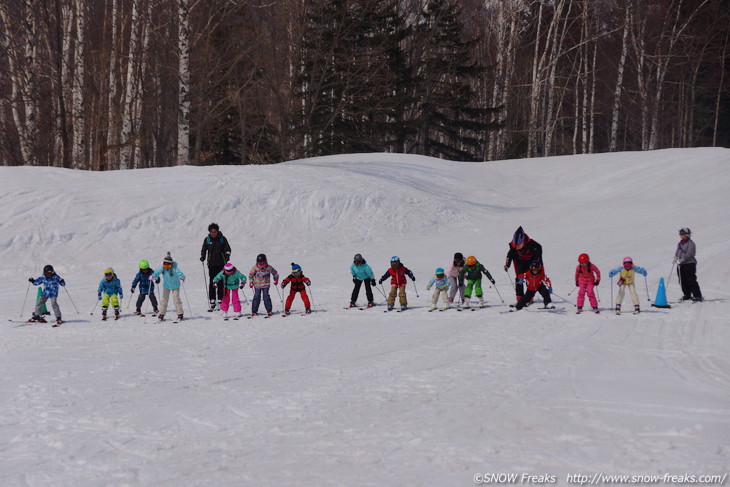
{"type": "Point", "coordinates": [215, 245]}
{"type": "Point", "coordinates": [522, 251]}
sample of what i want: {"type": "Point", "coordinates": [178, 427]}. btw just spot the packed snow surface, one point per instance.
{"type": "Point", "coordinates": [365, 398]}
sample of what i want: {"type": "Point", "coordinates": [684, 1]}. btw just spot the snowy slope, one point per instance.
{"type": "Point", "coordinates": [348, 397]}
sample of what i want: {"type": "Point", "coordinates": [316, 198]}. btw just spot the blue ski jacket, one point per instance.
{"type": "Point", "coordinates": [362, 272]}
{"type": "Point", "coordinates": [50, 285]}
{"type": "Point", "coordinates": [170, 277]}
{"type": "Point", "coordinates": [146, 284]}
{"type": "Point", "coordinates": [110, 287]}
{"type": "Point", "coordinates": [442, 283]}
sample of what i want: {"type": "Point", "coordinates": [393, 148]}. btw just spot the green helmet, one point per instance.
{"type": "Point", "coordinates": [143, 264]}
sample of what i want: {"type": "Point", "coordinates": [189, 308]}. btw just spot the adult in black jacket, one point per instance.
{"type": "Point", "coordinates": [218, 253]}
{"type": "Point", "coordinates": [522, 251]}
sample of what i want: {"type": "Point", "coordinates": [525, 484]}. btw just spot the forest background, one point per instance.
{"type": "Point", "coordinates": [119, 84]}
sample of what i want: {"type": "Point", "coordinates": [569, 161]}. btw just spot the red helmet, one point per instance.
{"type": "Point", "coordinates": [583, 259]}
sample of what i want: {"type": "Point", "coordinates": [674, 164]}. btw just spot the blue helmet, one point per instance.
{"type": "Point", "coordinates": [439, 271]}
{"type": "Point", "coordinates": [395, 258]}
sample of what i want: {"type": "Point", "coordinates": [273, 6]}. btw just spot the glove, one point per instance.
{"type": "Point", "coordinates": [506, 268]}
{"type": "Point", "coordinates": [372, 282]}
{"type": "Point", "coordinates": [492, 281]}
{"type": "Point", "coordinates": [202, 259]}
{"type": "Point", "coordinates": [182, 279]}
{"type": "Point", "coordinates": [157, 281]}
{"type": "Point", "coordinates": [250, 284]}
{"type": "Point", "coordinates": [428, 288]}
{"type": "Point", "coordinates": [550, 289]}
{"type": "Point", "coordinates": [30, 279]}
{"type": "Point", "coordinates": [520, 281]}
{"type": "Point", "coordinates": [597, 282]}
{"type": "Point", "coordinates": [308, 283]}
{"type": "Point", "coordinates": [121, 296]}
{"type": "Point", "coordinates": [620, 282]}
{"type": "Point", "coordinates": [380, 281]}
{"type": "Point", "coordinates": [276, 283]}
{"type": "Point", "coordinates": [576, 283]}
{"type": "Point", "coordinates": [283, 285]}
{"type": "Point", "coordinates": [62, 282]}
{"type": "Point", "coordinates": [414, 278]}
{"type": "Point", "coordinates": [98, 296]}
{"type": "Point", "coordinates": [354, 280]}
{"type": "Point", "coordinates": [243, 284]}
{"type": "Point", "coordinates": [215, 284]}
{"type": "Point", "coordinates": [132, 291]}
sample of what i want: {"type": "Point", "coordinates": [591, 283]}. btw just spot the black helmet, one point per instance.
{"type": "Point", "coordinates": [535, 265]}
{"type": "Point", "coordinates": [519, 236]}
{"type": "Point", "coordinates": [358, 258]}
{"type": "Point", "coordinates": [48, 269]}
{"type": "Point", "coordinates": [459, 259]}
{"type": "Point", "coordinates": [685, 231]}
{"type": "Point", "coordinates": [261, 258]}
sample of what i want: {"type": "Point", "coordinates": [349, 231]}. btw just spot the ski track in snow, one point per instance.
{"type": "Point", "coordinates": [351, 397]}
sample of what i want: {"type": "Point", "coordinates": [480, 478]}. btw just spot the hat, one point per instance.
{"type": "Point", "coordinates": [167, 259]}
{"type": "Point", "coordinates": [685, 231]}
{"type": "Point", "coordinates": [439, 271]}
{"type": "Point", "coordinates": [296, 267]}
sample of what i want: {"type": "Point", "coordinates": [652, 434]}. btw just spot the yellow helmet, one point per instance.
{"type": "Point", "coordinates": [108, 272]}
{"type": "Point", "coordinates": [471, 260]}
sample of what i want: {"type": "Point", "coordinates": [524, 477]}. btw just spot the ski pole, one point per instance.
{"type": "Point", "coordinates": [647, 289]}
{"type": "Point", "coordinates": [280, 296]}
{"type": "Point", "coordinates": [205, 283]}
{"type": "Point", "coordinates": [611, 292]}
{"type": "Point", "coordinates": [500, 296]}
{"type": "Point", "coordinates": [243, 291]}
{"type": "Point", "coordinates": [22, 310]}
{"type": "Point", "coordinates": [95, 305]}
{"type": "Point", "coordinates": [565, 300]}
{"type": "Point", "coordinates": [571, 292]}
{"type": "Point", "coordinates": [129, 301]}
{"type": "Point", "coordinates": [72, 301]}
{"type": "Point", "coordinates": [382, 290]}
{"type": "Point", "coordinates": [510, 280]}
{"type": "Point", "coordinates": [311, 296]}
{"type": "Point", "coordinates": [671, 271]}
{"type": "Point", "coordinates": [186, 298]}
{"type": "Point", "coordinates": [595, 290]}
{"type": "Point", "coordinates": [414, 287]}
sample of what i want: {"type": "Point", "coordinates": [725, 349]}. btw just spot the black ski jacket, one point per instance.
{"type": "Point", "coordinates": [217, 249]}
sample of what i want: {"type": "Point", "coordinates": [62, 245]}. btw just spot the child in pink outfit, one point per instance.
{"type": "Point", "coordinates": [232, 280]}
{"type": "Point", "coordinates": [587, 276]}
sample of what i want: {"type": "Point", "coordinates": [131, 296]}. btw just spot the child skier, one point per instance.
{"type": "Point", "coordinates": [397, 273]}
{"type": "Point", "coordinates": [361, 273]}
{"type": "Point", "coordinates": [627, 279]}
{"type": "Point", "coordinates": [298, 281]}
{"type": "Point", "coordinates": [259, 278]}
{"type": "Point", "coordinates": [473, 272]}
{"type": "Point", "coordinates": [146, 286]}
{"type": "Point", "coordinates": [455, 279]}
{"type": "Point", "coordinates": [587, 276]}
{"type": "Point", "coordinates": [233, 280]}
{"type": "Point", "coordinates": [172, 276]}
{"type": "Point", "coordinates": [110, 289]}
{"type": "Point", "coordinates": [537, 282]}
{"type": "Point", "coordinates": [522, 251]}
{"type": "Point", "coordinates": [50, 281]}
{"type": "Point", "coordinates": [441, 283]}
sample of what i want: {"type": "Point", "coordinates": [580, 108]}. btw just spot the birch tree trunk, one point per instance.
{"type": "Point", "coordinates": [79, 130]}
{"type": "Point", "coordinates": [112, 136]}
{"type": "Point", "coordinates": [613, 139]}
{"type": "Point", "coordinates": [183, 126]}
{"type": "Point", "coordinates": [125, 157]}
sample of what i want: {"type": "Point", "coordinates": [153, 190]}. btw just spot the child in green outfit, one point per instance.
{"type": "Point", "coordinates": [473, 272]}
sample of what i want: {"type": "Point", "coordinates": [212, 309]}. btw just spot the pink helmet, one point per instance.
{"type": "Point", "coordinates": [628, 262]}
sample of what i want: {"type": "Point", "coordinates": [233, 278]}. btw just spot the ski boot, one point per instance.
{"type": "Point", "coordinates": [432, 308]}
{"type": "Point", "coordinates": [596, 310]}
{"type": "Point", "coordinates": [403, 308]}
{"type": "Point", "coordinates": [103, 314]}
{"type": "Point", "coordinates": [286, 311]}
{"type": "Point", "coordinates": [138, 312]}
{"type": "Point", "coordinates": [268, 313]}
{"type": "Point", "coordinates": [58, 321]}
{"type": "Point", "coordinates": [225, 315]}
{"type": "Point", "coordinates": [618, 309]}
{"type": "Point", "coordinates": [352, 304]}
{"type": "Point", "coordinates": [307, 311]}
{"type": "Point", "coordinates": [466, 303]}
{"type": "Point", "coordinates": [180, 317]}
{"type": "Point", "coordinates": [481, 303]}
{"type": "Point", "coordinates": [161, 317]}
{"type": "Point", "coordinates": [253, 313]}
{"type": "Point", "coordinates": [370, 304]}
{"type": "Point", "coordinates": [155, 311]}
{"type": "Point", "coordinates": [637, 310]}
{"type": "Point", "coordinates": [116, 314]}
{"type": "Point", "coordinates": [579, 310]}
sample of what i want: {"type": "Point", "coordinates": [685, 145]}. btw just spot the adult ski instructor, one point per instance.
{"type": "Point", "coordinates": [522, 252]}
{"type": "Point", "coordinates": [215, 245]}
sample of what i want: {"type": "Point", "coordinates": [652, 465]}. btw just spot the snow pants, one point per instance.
{"type": "Point", "coordinates": [476, 285]}
{"type": "Point", "coordinates": [531, 294]}
{"type": "Point", "coordinates": [444, 296]}
{"type": "Point", "coordinates": [292, 295]}
{"type": "Point", "coordinates": [54, 303]}
{"type": "Point", "coordinates": [260, 292]}
{"type": "Point", "coordinates": [521, 267]}
{"type": "Point", "coordinates": [457, 283]}
{"type": "Point", "coordinates": [688, 280]}
{"type": "Point", "coordinates": [140, 300]}
{"type": "Point", "coordinates": [106, 298]}
{"type": "Point", "coordinates": [175, 299]}
{"type": "Point", "coordinates": [230, 298]}
{"type": "Point", "coordinates": [632, 292]}
{"type": "Point", "coordinates": [584, 289]}
{"type": "Point", "coordinates": [356, 291]}
{"type": "Point", "coordinates": [401, 292]}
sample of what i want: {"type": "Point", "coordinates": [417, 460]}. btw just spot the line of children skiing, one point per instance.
{"type": "Point", "coordinates": [463, 277]}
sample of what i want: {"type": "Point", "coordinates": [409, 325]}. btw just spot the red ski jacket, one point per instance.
{"type": "Point", "coordinates": [398, 276]}
{"type": "Point", "coordinates": [297, 282]}
{"type": "Point", "coordinates": [533, 281]}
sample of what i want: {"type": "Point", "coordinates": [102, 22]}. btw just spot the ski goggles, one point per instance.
{"type": "Point", "coordinates": [167, 265]}
{"type": "Point", "coordinates": [108, 274]}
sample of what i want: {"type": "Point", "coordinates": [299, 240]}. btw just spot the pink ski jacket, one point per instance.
{"type": "Point", "coordinates": [587, 274]}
